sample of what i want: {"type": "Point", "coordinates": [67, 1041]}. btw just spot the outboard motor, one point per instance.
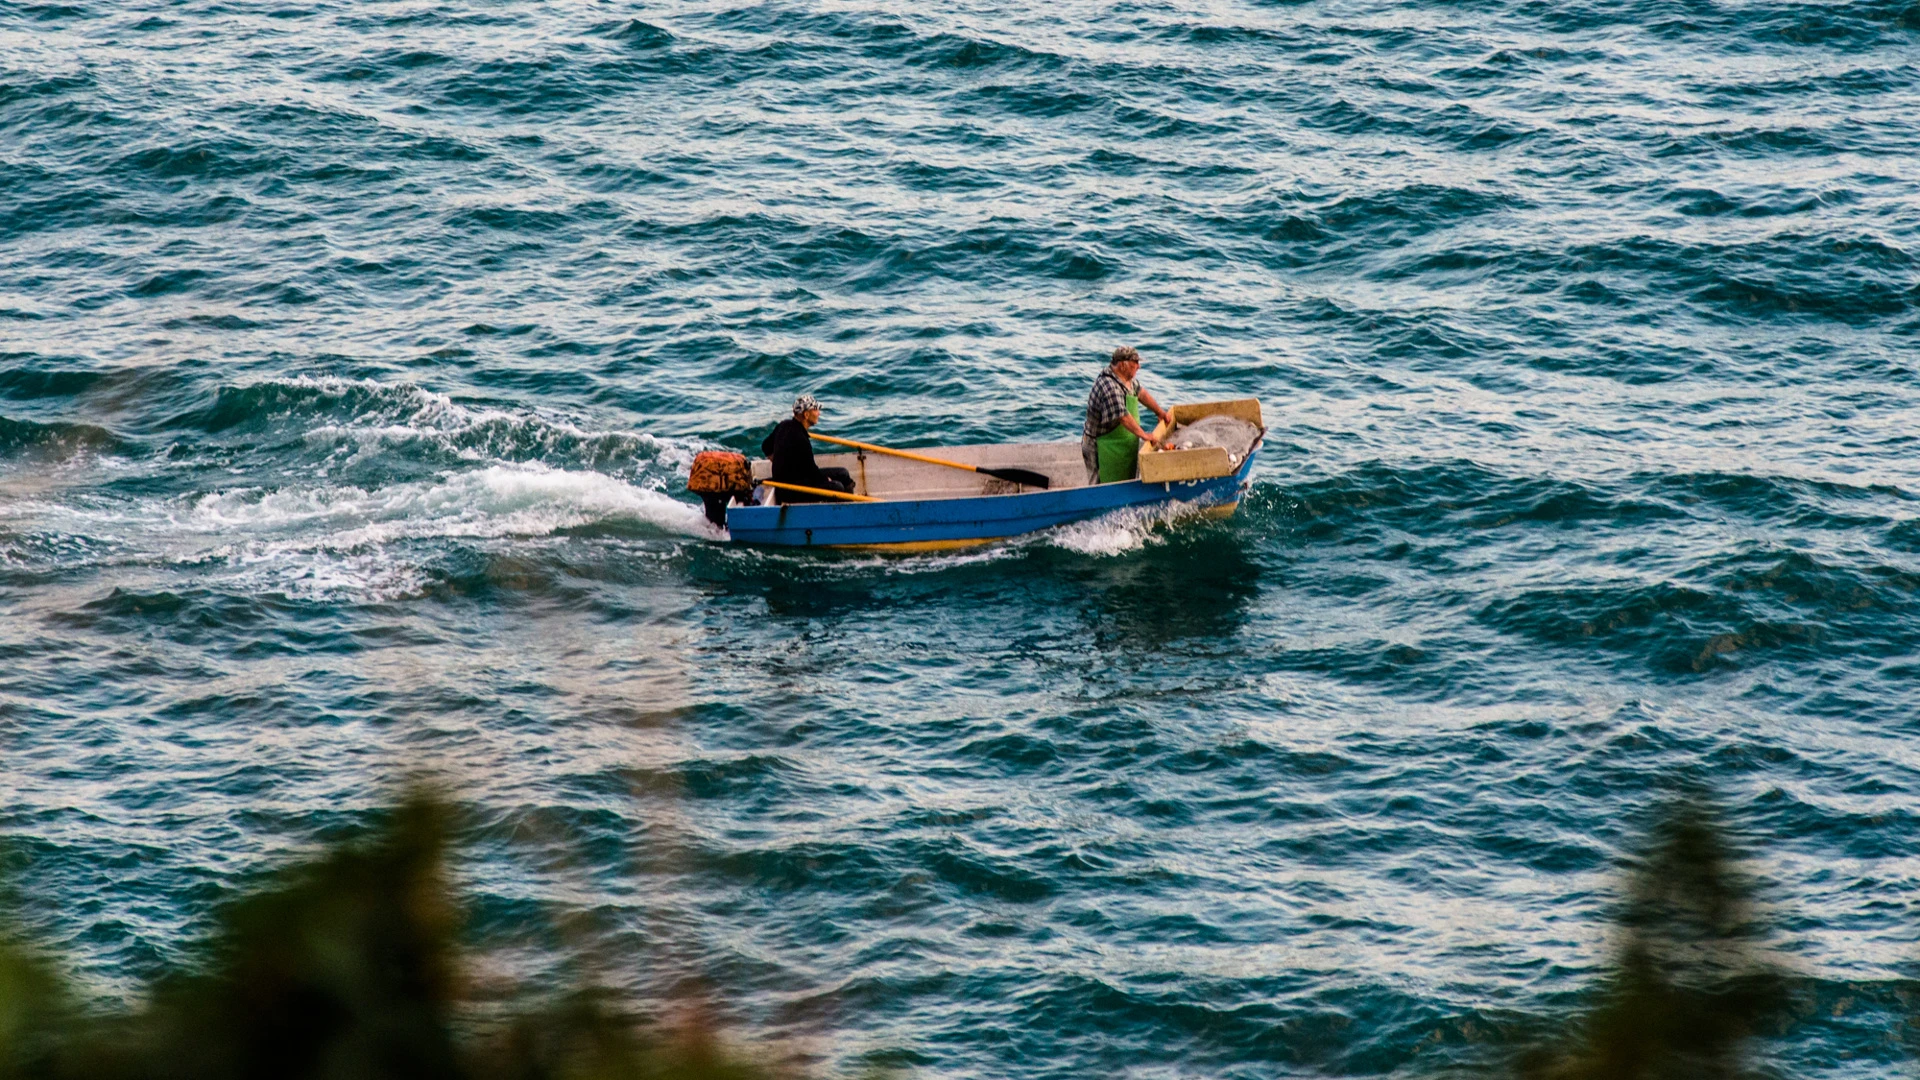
{"type": "Point", "coordinates": [720, 477]}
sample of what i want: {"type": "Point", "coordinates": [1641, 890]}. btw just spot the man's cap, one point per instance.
{"type": "Point", "coordinates": [1125, 354]}
{"type": "Point", "coordinates": [805, 403]}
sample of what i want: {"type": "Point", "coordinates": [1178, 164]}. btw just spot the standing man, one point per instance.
{"type": "Point", "coordinates": [1110, 443]}
{"type": "Point", "coordinates": [791, 453]}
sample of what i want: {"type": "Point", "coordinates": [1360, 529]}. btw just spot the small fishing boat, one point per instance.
{"type": "Point", "coordinates": [912, 504]}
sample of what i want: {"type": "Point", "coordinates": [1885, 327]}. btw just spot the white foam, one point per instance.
{"type": "Point", "coordinates": [496, 501]}
{"type": "Point", "coordinates": [403, 414]}
{"type": "Point", "coordinates": [314, 537]}
{"type": "Point", "coordinates": [1119, 532]}
{"type": "Point", "coordinates": [329, 576]}
{"type": "Point", "coordinates": [894, 565]}
{"type": "Point", "coordinates": [337, 541]}
{"type": "Point", "coordinates": [330, 541]}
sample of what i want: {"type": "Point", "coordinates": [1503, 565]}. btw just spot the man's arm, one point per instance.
{"type": "Point", "coordinates": [1166, 417]}
{"type": "Point", "coordinates": [1140, 432]}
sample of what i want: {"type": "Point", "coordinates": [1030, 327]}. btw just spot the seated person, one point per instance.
{"type": "Point", "coordinates": [791, 453]}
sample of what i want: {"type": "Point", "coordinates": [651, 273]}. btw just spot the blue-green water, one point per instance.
{"type": "Point", "coordinates": [351, 356]}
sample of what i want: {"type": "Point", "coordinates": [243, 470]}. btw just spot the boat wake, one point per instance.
{"type": "Point", "coordinates": [1122, 531]}
{"type": "Point", "coordinates": [383, 478]}
{"type": "Point", "coordinates": [495, 501]}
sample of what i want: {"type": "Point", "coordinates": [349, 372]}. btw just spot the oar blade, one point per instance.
{"type": "Point", "coordinates": [1025, 477]}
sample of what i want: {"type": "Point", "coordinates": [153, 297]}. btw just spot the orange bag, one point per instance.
{"type": "Point", "coordinates": [720, 472]}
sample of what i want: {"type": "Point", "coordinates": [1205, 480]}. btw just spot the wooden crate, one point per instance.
{"type": "Point", "coordinates": [1202, 462]}
{"type": "Point", "coordinates": [1199, 463]}
{"type": "Point", "coordinates": [1247, 409]}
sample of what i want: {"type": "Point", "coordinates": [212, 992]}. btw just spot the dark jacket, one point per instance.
{"type": "Point", "coordinates": [792, 455]}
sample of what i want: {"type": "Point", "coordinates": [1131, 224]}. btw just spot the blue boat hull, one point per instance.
{"type": "Point", "coordinates": [933, 524]}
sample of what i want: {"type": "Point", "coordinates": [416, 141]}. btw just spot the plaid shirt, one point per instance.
{"type": "Point", "coordinates": [1107, 404]}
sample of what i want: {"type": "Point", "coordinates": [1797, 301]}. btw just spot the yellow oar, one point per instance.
{"type": "Point", "coordinates": [1024, 477]}
{"type": "Point", "coordinates": [820, 491]}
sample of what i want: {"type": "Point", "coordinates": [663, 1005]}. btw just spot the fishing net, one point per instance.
{"type": "Point", "coordinates": [1231, 434]}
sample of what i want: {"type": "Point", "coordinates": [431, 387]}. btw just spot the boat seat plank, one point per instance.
{"type": "Point", "coordinates": [887, 477]}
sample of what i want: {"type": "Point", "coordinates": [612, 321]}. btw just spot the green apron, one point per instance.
{"type": "Point", "coordinates": [1118, 450]}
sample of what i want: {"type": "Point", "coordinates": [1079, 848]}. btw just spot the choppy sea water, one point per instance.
{"type": "Point", "coordinates": [351, 355]}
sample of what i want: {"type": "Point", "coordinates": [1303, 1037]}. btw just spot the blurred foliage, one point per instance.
{"type": "Point", "coordinates": [1690, 980]}
{"type": "Point", "coordinates": [34, 1012]}
{"type": "Point", "coordinates": [347, 967]}
{"type": "Point", "coordinates": [342, 968]}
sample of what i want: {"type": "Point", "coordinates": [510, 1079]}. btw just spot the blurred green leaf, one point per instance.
{"type": "Point", "coordinates": [1691, 981]}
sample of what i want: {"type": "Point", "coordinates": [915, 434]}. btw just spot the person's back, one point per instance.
{"type": "Point", "coordinates": [790, 452]}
